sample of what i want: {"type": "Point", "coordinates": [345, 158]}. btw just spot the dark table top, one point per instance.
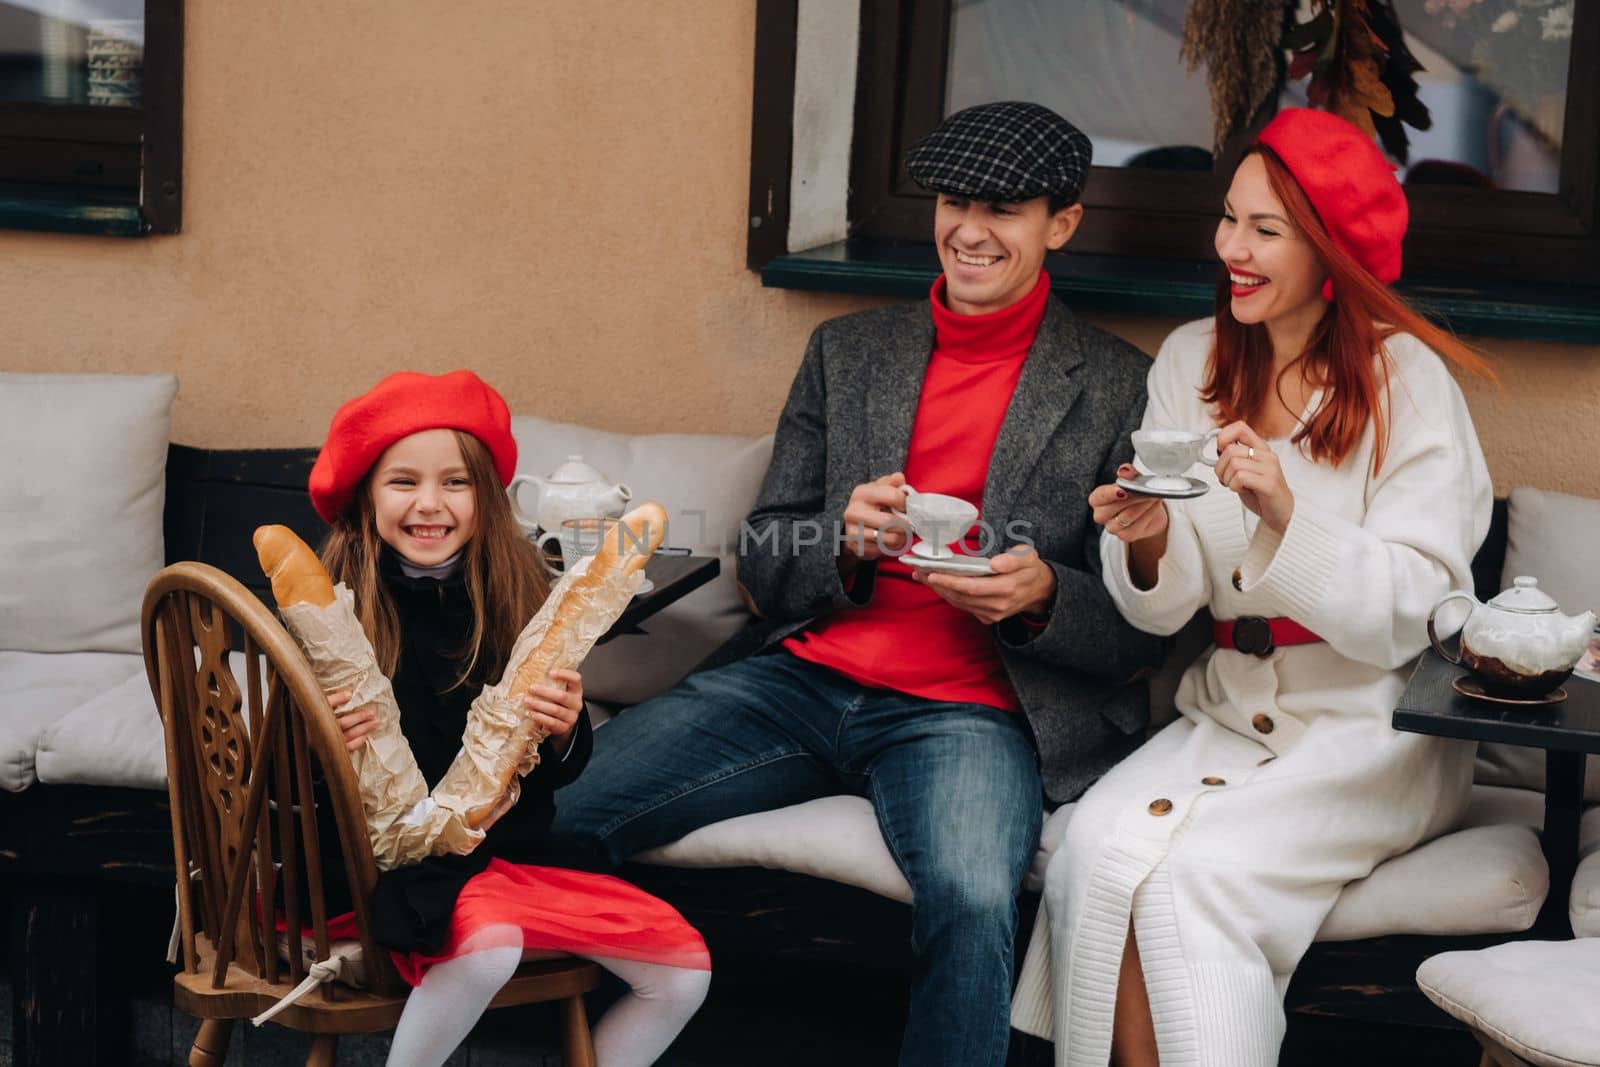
{"type": "Point", "coordinates": [675, 577]}
{"type": "Point", "coordinates": [1431, 706]}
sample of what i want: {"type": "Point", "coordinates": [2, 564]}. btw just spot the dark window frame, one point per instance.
{"type": "Point", "coordinates": [1513, 236]}
{"type": "Point", "coordinates": [83, 168]}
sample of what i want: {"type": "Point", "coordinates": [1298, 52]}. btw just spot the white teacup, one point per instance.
{"type": "Point", "coordinates": [578, 538]}
{"type": "Point", "coordinates": [1168, 454]}
{"type": "Point", "coordinates": [939, 519]}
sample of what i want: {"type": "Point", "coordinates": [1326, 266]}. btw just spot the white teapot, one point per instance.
{"type": "Point", "coordinates": [1519, 644]}
{"type": "Point", "coordinates": [574, 490]}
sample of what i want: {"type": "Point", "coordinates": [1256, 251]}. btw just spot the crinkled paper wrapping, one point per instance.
{"type": "Point", "coordinates": [404, 823]}
{"type": "Point", "coordinates": [499, 733]}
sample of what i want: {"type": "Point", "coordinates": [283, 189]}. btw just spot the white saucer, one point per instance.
{"type": "Point", "coordinates": [976, 566]}
{"type": "Point", "coordinates": [923, 550]}
{"type": "Point", "coordinates": [647, 587]}
{"type": "Point", "coordinates": [1141, 485]}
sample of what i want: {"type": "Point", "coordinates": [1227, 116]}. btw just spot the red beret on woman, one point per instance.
{"type": "Point", "coordinates": [1349, 182]}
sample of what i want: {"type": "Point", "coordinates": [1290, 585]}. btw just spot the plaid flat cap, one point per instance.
{"type": "Point", "coordinates": [1004, 151]}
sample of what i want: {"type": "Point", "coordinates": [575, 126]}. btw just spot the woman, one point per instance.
{"type": "Point", "coordinates": [1349, 494]}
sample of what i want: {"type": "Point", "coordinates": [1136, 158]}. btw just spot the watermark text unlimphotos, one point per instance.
{"type": "Point", "coordinates": [778, 536]}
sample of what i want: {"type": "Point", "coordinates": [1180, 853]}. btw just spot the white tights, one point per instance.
{"type": "Point", "coordinates": [637, 1029]}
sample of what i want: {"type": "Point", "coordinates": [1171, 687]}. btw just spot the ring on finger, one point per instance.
{"type": "Point", "coordinates": [1250, 452]}
{"type": "Point", "coordinates": [1124, 522]}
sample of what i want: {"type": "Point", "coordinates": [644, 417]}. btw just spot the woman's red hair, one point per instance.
{"type": "Point", "coordinates": [1344, 355]}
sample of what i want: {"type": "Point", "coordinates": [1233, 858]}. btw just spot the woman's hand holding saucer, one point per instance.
{"type": "Point", "coordinates": [871, 527]}
{"type": "Point", "coordinates": [1247, 465]}
{"type": "Point", "coordinates": [1021, 581]}
{"type": "Point", "coordinates": [1140, 522]}
{"type": "Point", "coordinates": [1129, 516]}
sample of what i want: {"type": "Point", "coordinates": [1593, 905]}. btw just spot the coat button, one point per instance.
{"type": "Point", "coordinates": [1160, 806]}
{"type": "Point", "coordinates": [1262, 723]}
{"type": "Point", "coordinates": [1264, 762]}
{"type": "Point", "coordinates": [1212, 779]}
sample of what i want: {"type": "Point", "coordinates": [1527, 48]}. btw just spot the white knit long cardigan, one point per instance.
{"type": "Point", "coordinates": [1227, 838]}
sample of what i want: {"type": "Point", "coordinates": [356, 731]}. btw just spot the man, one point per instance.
{"type": "Point", "coordinates": [939, 696]}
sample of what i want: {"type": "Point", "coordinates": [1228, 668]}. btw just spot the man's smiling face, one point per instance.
{"type": "Point", "coordinates": [992, 252]}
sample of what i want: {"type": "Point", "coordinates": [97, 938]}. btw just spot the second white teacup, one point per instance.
{"type": "Point", "coordinates": [939, 519]}
{"type": "Point", "coordinates": [1168, 454]}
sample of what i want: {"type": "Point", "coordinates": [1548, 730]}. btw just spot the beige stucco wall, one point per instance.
{"type": "Point", "coordinates": [553, 194]}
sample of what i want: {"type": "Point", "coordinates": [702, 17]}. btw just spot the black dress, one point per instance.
{"type": "Point", "coordinates": [413, 904]}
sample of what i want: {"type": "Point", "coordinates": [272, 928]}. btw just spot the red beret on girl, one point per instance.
{"type": "Point", "coordinates": [399, 406]}
{"type": "Point", "coordinates": [1349, 182]}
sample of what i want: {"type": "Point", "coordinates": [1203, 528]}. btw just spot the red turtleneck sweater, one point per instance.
{"type": "Point", "coordinates": [907, 638]}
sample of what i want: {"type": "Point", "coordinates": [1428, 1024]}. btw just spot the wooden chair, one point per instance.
{"type": "Point", "coordinates": [239, 765]}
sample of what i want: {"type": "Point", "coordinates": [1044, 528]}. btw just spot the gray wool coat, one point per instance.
{"type": "Point", "coordinates": [848, 420]}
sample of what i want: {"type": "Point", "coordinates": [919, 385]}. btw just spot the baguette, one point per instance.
{"type": "Point", "coordinates": [500, 743]}
{"type": "Point", "coordinates": [585, 611]}
{"type": "Point", "coordinates": [401, 824]}
{"type": "Point", "coordinates": [297, 575]}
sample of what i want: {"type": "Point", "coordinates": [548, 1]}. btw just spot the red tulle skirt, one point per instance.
{"type": "Point", "coordinates": [558, 910]}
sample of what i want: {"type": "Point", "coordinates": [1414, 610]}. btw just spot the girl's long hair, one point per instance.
{"type": "Point", "coordinates": [1345, 355]}
{"type": "Point", "coordinates": [505, 575]}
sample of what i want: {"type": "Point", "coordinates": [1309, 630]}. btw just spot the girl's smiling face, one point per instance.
{"type": "Point", "coordinates": [423, 500]}
{"type": "Point", "coordinates": [1275, 272]}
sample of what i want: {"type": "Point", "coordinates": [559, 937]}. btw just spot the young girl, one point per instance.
{"type": "Point", "coordinates": [1350, 494]}
{"type": "Point", "coordinates": [411, 479]}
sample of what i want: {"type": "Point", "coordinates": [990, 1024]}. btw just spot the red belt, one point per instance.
{"type": "Point", "coordinates": [1257, 635]}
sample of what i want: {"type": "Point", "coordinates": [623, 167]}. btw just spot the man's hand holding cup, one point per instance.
{"type": "Point", "coordinates": [871, 527]}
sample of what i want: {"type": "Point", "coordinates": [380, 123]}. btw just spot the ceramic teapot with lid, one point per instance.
{"type": "Point", "coordinates": [1518, 644]}
{"type": "Point", "coordinates": [574, 490]}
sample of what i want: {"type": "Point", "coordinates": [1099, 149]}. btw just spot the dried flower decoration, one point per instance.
{"type": "Point", "coordinates": [1360, 67]}
{"type": "Point", "coordinates": [1240, 43]}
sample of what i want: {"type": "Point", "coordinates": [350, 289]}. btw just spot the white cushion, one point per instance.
{"type": "Point", "coordinates": [1536, 998]}
{"type": "Point", "coordinates": [1521, 767]}
{"type": "Point", "coordinates": [1549, 536]}
{"type": "Point", "coordinates": [114, 738]}
{"type": "Point", "coordinates": [38, 688]}
{"type": "Point", "coordinates": [1488, 876]}
{"type": "Point", "coordinates": [80, 507]}
{"type": "Point", "coordinates": [1583, 906]}
{"type": "Point", "coordinates": [1492, 805]}
{"type": "Point", "coordinates": [1483, 879]}
{"type": "Point", "coordinates": [708, 484]}
{"type": "Point", "coordinates": [836, 838]}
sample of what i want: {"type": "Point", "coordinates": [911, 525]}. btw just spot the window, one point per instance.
{"type": "Point", "coordinates": [90, 115]}
{"type": "Point", "coordinates": [1503, 186]}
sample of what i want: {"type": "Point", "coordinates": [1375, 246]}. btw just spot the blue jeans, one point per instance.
{"type": "Point", "coordinates": [955, 787]}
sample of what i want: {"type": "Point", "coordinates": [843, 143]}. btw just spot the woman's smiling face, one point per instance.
{"type": "Point", "coordinates": [1275, 272]}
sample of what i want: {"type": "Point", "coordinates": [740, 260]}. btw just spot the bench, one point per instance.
{"type": "Point", "coordinates": [93, 831]}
